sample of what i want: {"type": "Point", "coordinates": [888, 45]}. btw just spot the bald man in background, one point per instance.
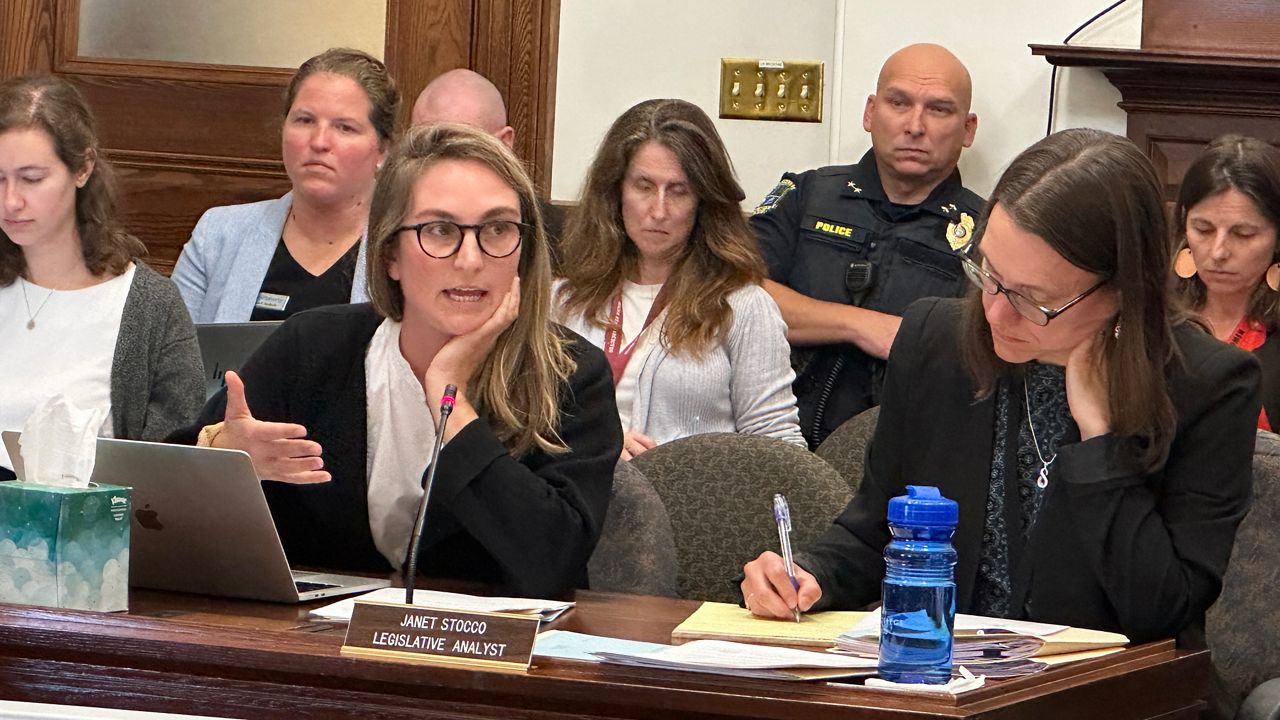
{"type": "Point", "coordinates": [465, 96]}
{"type": "Point", "coordinates": [849, 247]}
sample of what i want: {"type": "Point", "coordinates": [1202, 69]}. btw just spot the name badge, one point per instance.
{"type": "Point", "coordinates": [829, 228]}
{"type": "Point", "coordinates": [409, 633]}
{"type": "Point", "coordinates": [271, 301]}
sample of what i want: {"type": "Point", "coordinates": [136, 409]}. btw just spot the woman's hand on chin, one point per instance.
{"type": "Point", "coordinates": [1087, 387]}
{"type": "Point", "coordinates": [459, 359]}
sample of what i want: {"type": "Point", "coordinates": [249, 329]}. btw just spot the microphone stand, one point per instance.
{"type": "Point", "coordinates": [411, 567]}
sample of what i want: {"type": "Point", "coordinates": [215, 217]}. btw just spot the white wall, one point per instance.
{"type": "Point", "coordinates": [616, 53]}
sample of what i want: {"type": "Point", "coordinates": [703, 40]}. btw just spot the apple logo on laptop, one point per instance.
{"type": "Point", "coordinates": [148, 518]}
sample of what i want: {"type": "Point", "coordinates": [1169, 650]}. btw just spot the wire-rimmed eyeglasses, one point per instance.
{"type": "Point", "coordinates": [441, 239]}
{"type": "Point", "coordinates": [1026, 307]}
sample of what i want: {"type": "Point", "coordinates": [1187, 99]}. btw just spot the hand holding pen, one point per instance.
{"type": "Point", "coordinates": [782, 514]}
{"type": "Point", "coordinates": [774, 586]}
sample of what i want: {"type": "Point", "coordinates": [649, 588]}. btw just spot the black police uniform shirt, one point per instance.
{"type": "Point", "coordinates": [832, 234]}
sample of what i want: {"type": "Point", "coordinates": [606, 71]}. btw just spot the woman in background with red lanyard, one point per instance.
{"type": "Point", "coordinates": [661, 271]}
{"type": "Point", "coordinates": [1228, 262]}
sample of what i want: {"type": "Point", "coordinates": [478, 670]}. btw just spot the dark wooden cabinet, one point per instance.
{"type": "Point", "coordinates": [1204, 69]}
{"type": "Point", "coordinates": [1177, 102]}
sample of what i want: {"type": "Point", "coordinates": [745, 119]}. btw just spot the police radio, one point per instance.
{"type": "Point", "coordinates": [859, 277]}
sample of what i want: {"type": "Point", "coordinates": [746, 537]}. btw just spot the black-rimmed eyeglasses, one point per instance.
{"type": "Point", "coordinates": [1026, 307]}
{"type": "Point", "coordinates": [442, 238]}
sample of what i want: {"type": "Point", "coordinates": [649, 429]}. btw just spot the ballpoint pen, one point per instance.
{"type": "Point", "coordinates": [782, 514]}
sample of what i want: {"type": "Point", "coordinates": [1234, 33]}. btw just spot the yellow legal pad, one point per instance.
{"type": "Point", "coordinates": [722, 621]}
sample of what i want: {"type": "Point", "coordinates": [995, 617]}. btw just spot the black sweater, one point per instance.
{"type": "Point", "coordinates": [1113, 548]}
{"type": "Point", "coordinates": [525, 525]}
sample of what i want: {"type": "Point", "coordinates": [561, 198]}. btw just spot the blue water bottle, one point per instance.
{"type": "Point", "coordinates": [919, 592]}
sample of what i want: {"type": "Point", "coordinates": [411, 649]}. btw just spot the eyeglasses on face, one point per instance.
{"type": "Point", "coordinates": [443, 238]}
{"type": "Point", "coordinates": [1026, 307]}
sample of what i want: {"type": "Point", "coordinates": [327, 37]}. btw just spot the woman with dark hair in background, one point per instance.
{"type": "Point", "coordinates": [1098, 444]}
{"type": "Point", "coordinates": [80, 314]}
{"type": "Point", "coordinates": [341, 403]}
{"type": "Point", "coordinates": [1228, 260]}
{"type": "Point", "coordinates": [662, 272]}
{"type": "Point", "coordinates": [268, 260]}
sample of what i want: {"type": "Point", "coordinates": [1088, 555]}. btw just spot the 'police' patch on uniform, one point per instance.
{"type": "Point", "coordinates": [827, 227]}
{"type": "Point", "coordinates": [775, 195]}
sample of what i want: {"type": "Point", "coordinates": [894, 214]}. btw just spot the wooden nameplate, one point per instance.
{"type": "Point", "coordinates": [416, 634]}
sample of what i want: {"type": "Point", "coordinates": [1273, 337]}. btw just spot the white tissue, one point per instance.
{"type": "Point", "coordinates": [964, 683]}
{"type": "Point", "coordinates": [59, 443]}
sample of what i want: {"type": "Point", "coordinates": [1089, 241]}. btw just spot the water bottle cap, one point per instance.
{"type": "Point", "coordinates": [923, 505]}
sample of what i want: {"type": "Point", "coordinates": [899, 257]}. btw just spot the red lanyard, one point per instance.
{"type": "Point", "coordinates": [619, 356]}
{"type": "Point", "coordinates": [1249, 335]}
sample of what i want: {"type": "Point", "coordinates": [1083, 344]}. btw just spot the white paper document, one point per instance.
{"type": "Point", "coordinates": [745, 660]}
{"type": "Point", "coordinates": [547, 610]}
{"type": "Point", "coordinates": [569, 645]}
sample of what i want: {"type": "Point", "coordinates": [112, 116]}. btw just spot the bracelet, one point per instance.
{"type": "Point", "coordinates": [208, 434]}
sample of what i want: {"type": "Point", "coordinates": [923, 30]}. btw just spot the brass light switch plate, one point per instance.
{"type": "Point", "coordinates": [753, 89]}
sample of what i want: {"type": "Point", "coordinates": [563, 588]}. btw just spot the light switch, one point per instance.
{"type": "Point", "coordinates": [783, 89]}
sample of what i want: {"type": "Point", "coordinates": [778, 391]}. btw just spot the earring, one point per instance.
{"type": "Point", "coordinates": [1273, 277]}
{"type": "Point", "coordinates": [1184, 265]}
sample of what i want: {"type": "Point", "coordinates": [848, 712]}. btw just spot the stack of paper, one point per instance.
{"type": "Point", "coordinates": [722, 621]}
{"type": "Point", "coordinates": [742, 660]}
{"type": "Point", "coordinates": [998, 647]}
{"type": "Point", "coordinates": [547, 610]}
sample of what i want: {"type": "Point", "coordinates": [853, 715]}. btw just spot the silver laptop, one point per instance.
{"type": "Point", "coordinates": [226, 346]}
{"type": "Point", "coordinates": [200, 524]}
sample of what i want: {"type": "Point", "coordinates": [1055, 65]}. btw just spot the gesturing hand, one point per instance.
{"type": "Point", "coordinates": [280, 451]}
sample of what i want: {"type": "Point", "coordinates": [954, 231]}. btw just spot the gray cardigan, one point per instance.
{"type": "Point", "coordinates": [157, 377]}
{"type": "Point", "coordinates": [222, 266]}
{"type": "Point", "coordinates": [742, 385]}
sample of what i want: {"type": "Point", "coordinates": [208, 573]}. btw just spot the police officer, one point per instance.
{"type": "Point", "coordinates": [849, 247]}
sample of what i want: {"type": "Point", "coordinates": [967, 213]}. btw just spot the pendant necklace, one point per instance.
{"type": "Point", "coordinates": [1042, 481]}
{"type": "Point", "coordinates": [31, 316]}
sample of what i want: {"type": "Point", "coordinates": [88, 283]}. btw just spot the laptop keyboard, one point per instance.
{"type": "Point", "coordinates": [309, 586]}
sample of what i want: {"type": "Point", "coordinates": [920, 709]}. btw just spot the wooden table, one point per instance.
{"type": "Point", "coordinates": [188, 654]}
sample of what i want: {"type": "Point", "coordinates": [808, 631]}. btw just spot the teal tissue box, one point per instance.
{"type": "Point", "coordinates": [64, 547]}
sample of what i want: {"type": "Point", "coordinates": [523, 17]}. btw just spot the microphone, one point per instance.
{"type": "Point", "coordinates": [411, 567]}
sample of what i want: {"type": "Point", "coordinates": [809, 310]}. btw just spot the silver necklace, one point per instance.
{"type": "Point", "coordinates": [31, 316]}
{"type": "Point", "coordinates": [1042, 482]}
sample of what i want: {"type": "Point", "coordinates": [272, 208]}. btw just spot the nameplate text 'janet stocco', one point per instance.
{"type": "Point", "coordinates": [411, 633]}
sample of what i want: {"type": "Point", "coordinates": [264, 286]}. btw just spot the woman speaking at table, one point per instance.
{"type": "Point", "coordinates": [1099, 445]}
{"type": "Point", "coordinates": [340, 405]}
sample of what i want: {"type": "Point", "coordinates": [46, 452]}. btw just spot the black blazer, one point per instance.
{"type": "Point", "coordinates": [1268, 353]}
{"type": "Point", "coordinates": [1112, 548]}
{"type": "Point", "coordinates": [525, 525]}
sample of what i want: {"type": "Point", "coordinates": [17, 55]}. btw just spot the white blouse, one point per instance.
{"type": "Point", "coordinates": [401, 434]}
{"type": "Point", "coordinates": [69, 349]}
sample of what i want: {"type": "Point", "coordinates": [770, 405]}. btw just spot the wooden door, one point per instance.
{"type": "Point", "coordinates": [189, 136]}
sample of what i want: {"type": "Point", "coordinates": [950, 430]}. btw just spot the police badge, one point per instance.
{"type": "Point", "coordinates": [960, 233]}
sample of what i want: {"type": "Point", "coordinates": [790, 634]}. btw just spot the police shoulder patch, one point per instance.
{"type": "Point", "coordinates": [784, 186]}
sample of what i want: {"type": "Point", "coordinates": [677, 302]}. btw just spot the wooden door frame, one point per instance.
{"type": "Point", "coordinates": [512, 42]}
